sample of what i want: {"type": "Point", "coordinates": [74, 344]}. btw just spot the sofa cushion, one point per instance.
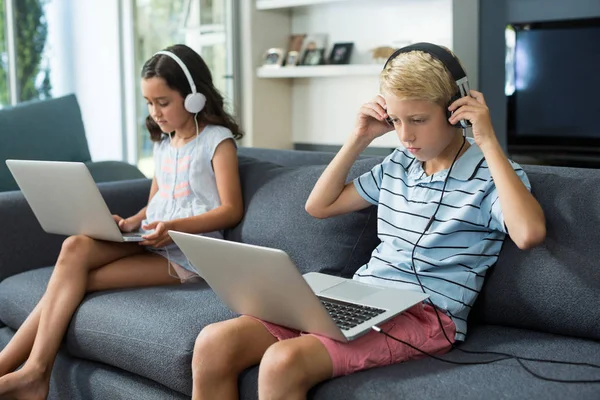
{"type": "Point", "coordinates": [109, 171]}
{"type": "Point", "coordinates": [431, 379]}
{"type": "Point", "coordinates": [553, 287]}
{"type": "Point", "coordinates": [77, 379]}
{"type": "Point", "coordinates": [149, 332]}
{"type": "Point", "coordinates": [274, 199]}
{"type": "Point", "coordinates": [41, 130]}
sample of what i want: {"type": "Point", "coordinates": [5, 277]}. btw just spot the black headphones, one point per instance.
{"type": "Point", "coordinates": [451, 64]}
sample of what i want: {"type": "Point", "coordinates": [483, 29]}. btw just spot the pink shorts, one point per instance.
{"type": "Point", "coordinates": [418, 326]}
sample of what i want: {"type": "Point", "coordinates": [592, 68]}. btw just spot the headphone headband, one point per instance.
{"type": "Point", "coordinates": [183, 68]}
{"type": "Point", "coordinates": [449, 61]}
{"type": "Point", "coordinates": [194, 102]}
{"type": "Point", "coordinates": [445, 57]}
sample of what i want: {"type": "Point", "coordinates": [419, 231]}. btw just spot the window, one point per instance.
{"type": "Point", "coordinates": [158, 24]}
{"type": "Point", "coordinates": [205, 26]}
{"type": "Point", "coordinates": [31, 32]}
{"type": "Point", "coordinates": [23, 39]}
{"type": "Point", "coordinates": [4, 90]}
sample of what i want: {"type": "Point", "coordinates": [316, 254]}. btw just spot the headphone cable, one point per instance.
{"type": "Point", "coordinates": [504, 356]}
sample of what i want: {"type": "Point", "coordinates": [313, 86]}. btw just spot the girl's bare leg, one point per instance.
{"type": "Point", "coordinates": [84, 265]}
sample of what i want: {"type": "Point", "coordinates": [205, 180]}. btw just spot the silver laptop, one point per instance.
{"type": "Point", "coordinates": [265, 283]}
{"type": "Point", "coordinates": [66, 200]}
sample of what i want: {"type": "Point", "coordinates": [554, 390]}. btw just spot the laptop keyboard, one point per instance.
{"type": "Point", "coordinates": [348, 315]}
{"type": "Point", "coordinates": [132, 234]}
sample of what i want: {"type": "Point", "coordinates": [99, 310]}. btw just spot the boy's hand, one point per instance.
{"type": "Point", "coordinates": [474, 109]}
{"type": "Point", "coordinates": [127, 224]}
{"type": "Point", "coordinates": [371, 121]}
{"type": "Point", "coordinates": [160, 237]}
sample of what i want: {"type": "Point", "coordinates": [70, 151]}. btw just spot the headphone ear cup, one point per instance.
{"type": "Point", "coordinates": [449, 113]}
{"type": "Point", "coordinates": [194, 102]}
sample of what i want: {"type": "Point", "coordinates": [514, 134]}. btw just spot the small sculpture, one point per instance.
{"type": "Point", "coordinates": [382, 53]}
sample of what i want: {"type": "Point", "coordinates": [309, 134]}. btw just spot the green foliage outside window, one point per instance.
{"type": "Point", "coordinates": [31, 31]}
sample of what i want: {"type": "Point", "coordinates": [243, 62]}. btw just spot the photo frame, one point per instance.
{"type": "Point", "coordinates": [273, 57]}
{"type": "Point", "coordinates": [313, 57]}
{"type": "Point", "coordinates": [295, 42]}
{"type": "Point", "coordinates": [294, 48]}
{"type": "Point", "coordinates": [340, 53]}
{"type": "Point", "coordinates": [313, 49]}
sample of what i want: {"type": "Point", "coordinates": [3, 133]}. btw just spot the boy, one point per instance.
{"type": "Point", "coordinates": [445, 203]}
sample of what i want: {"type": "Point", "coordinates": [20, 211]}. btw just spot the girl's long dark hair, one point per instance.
{"type": "Point", "coordinates": [162, 66]}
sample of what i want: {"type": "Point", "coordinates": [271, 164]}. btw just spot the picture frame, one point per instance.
{"type": "Point", "coordinates": [273, 57]}
{"type": "Point", "coordinates": [296, 42]}
{"type": "Point", "coordinates": [313, 57]}
{"type": "Point", "coordinates": [340, 53]}
{"type": "Point", "coordinates": [313, 49]}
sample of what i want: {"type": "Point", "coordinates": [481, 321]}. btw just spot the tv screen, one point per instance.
{"type": "Point", "coordinates": [553, 84]}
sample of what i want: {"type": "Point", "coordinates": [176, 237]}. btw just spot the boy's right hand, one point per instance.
{"type": "Point", "coordinates": [127, 224]}
{"type": "Point", "coordinates": [371, 120]}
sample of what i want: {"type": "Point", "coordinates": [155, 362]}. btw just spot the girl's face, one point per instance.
{"type": "Point", "coordinates": [421, 126]}
{"type": "Point", "coordinates": [165, 105]}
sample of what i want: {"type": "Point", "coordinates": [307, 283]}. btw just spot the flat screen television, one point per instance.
{"type": "Point", "coordinates": [553, 86]}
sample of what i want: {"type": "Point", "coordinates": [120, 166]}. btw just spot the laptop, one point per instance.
{"type": "Point", "coordinates": [66, 200]}
{"type": "Point", "coordinates": [264, 283]}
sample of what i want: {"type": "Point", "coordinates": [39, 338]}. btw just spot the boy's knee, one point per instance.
{"type": "Point", "coordinates": [281, 362]}
{"type": "Point", "coordinates": [211, 350]}
{"type": "Point", "coordinates": [209, 339]}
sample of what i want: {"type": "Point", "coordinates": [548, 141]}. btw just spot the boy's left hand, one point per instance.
{"type": "Point", "coordinates": [160, 237]}
{"type": "Point", "coordinates": [474, 109]}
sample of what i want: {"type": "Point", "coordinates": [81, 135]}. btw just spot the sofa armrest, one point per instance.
{"type": "Point", "coordinates": [110, 171]}
{"type": "Point", "coordinates": [25, 246]}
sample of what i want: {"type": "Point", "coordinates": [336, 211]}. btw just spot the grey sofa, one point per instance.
{"type": "Point", "coordinates": [52, 130]}
{"type": "Point", "coordinates": [137, 344]}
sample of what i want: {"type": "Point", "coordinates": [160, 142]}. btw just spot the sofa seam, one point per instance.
{"type": "Point", "coordinates": [362, 232]}
{"type": "Point", "coordinates": [185, 352]}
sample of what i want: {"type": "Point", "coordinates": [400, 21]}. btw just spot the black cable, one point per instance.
{"type": "Point", "coordinates": [378, 329]}
{"type": "Point", "coordinates": [504, 356]}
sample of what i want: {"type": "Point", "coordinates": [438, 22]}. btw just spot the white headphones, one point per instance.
{"type": "Point", "coordinates": [194, 102]}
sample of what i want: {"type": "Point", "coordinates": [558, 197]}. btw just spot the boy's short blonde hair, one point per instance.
{"type": "Point", "coordinates": [417, 75]}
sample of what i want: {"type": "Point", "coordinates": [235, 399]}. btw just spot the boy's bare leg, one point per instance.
{"type": "Point", "coordinates": [222, 351]}
{"type": "Point", "coordinates": [290, 368]}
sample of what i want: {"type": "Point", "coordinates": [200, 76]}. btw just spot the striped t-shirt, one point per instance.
{"type": "Point", "coordinates": [463, 241]}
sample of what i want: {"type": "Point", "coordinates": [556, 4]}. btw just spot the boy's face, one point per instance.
{"type": "Point", "coordinates": [165, 105]}
{"type": "Point", "coordinates": [421, 126]}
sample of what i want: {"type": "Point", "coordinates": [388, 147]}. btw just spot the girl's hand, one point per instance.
{"type": "Point", "coordinates": [474, 109]}
{"type": "Point", "coordinates": [127, 224]}
{"type": "Point", "coordinates": [160, 237]}
{"type": "Point", "coordinates": [371, 120]}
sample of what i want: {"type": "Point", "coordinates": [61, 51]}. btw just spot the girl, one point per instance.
{"type": "Point", "coordinates": [444, 203]}
{"type": "Point", "coordinates": [196, 189]}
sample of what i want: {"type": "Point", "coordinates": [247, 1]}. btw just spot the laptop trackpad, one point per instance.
{"type": "Point", "coordinates": [350, 290]}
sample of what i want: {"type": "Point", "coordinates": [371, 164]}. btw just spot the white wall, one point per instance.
{"type": "Point", "coordinates": [324, 109]}
{"type": "Point", "coordinates": [96, 74]}
{"type": "Point", "coordinates": [83, 52]}
{"type": "Point", "coordinates": [265, 103]}
{"type": "Point", "coordinates": [59, 49]}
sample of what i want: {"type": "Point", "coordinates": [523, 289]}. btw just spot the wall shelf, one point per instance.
{"type": "Point", "coordinates": [319, 71]}
{"type": "Point", "coordinates": [278, 4]}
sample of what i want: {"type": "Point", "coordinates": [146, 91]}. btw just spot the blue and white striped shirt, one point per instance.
{"type": "Point", "coordinates": [463, 241]}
